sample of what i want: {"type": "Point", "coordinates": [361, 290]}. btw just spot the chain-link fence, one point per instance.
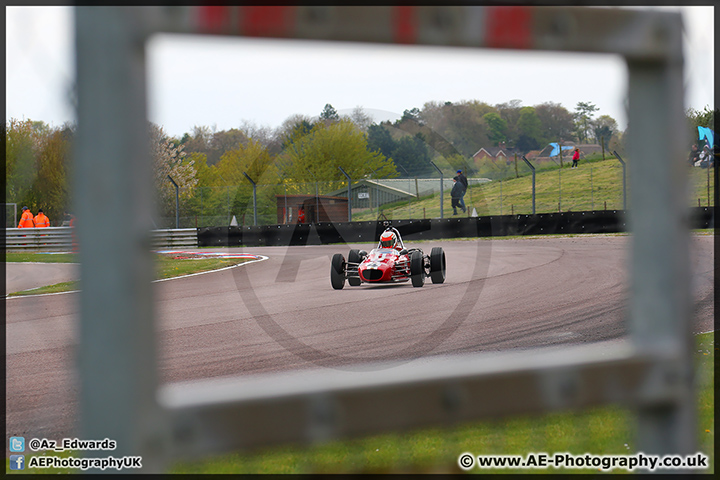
{"type": "Point", "coordinates": [590, 187]}
{"type": "Point", "coordinates": [10, 215]}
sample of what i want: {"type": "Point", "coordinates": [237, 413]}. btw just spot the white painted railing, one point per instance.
{"type": "Point", "coordinates": [62, 239]}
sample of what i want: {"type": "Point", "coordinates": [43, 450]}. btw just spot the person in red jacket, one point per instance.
{"type": "Point", "coordinates": [40, 220]}
{"type": "Point", "coordinates": [301, 215]}
{"type": "Point", "coordinates": [576, 157]}
{"type": "Point", "coordinates": [26, 220]}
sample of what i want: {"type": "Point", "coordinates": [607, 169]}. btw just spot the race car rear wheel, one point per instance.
{"type": "Point", "coordinates": [354, 257]}
{"type": "Point", "coordinates": [337, 271]}
{"type": "Point", "coordinates": [437, 265]}
{"type": "Point", "coordinates": [417, 269]}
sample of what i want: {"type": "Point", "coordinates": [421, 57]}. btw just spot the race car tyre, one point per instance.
{"type": "Point", "coordinates": [417, 269]}
{"type": "Point", "coordinates": [337, 271]}
{"type": "Point", "coordinates": [354, 257]}
{"type": "Point", "coordinates": [437, 265]}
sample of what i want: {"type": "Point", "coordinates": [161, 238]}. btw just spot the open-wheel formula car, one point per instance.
{"type": "Point", "coordinates": [390, 262]}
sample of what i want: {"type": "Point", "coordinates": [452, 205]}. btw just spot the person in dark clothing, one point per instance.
{"type": "Point", "coordinates": [463, 181]}
{"type": "Point", "coordinates": [456, 196]}
{"type": "Point", "coordinates": [694, 155]}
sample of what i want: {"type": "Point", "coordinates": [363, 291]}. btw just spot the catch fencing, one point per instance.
{"type": "Point", "coordinates": [589, 188]}
{"type": "Point", "coordinates": [652, 373]}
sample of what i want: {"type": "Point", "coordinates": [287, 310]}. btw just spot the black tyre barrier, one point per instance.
{"type": "Point", "coordinates": [604, 221]}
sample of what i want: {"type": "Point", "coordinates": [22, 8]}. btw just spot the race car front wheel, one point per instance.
{"type": "Point", "coordinates": [417, 269]}
{"type": "Point", "coordinates": [437, 265]}
{"type": "Point", "coordinates": [354, 257]}
{"type": "Point", "coordinates": [337, 271]}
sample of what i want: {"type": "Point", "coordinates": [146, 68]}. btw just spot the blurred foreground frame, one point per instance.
{"type": "Point", "coordinates": [120, 397]}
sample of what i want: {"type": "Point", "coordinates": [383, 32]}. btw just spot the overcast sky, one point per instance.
{"type": "Point", "coordinates": [221, 82]}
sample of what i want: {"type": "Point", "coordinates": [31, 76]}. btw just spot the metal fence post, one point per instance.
{"type": "Point", "coordinates": [116, 353]}
{"type": "Point", "coordinates": [501, 198]}
{"type": "Point", "coordinates": [177, 202]}
{"type": "Point", "coordinates": [349, 193]}
{"type": "Point", "coordinates": [533, 181]}
{"type": "Point", "coordinates": [560, 187]}
{"type": "Point", "coordinates": [254, 198]}
{"type": "Point", "coordinates": [660, 305]}
{"type": "Point", "coordinates": [624, 181]}
{"type": "Point", "coordinates": [442, 191]}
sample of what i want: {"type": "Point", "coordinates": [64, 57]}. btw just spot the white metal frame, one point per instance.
{"type": "Point", "coordinates": [117, 354]}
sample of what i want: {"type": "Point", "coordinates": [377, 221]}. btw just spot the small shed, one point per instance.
{"type": "Point", "coordinates": [314, 209]}
{"type": "Point", "coordinates": [368, 193]}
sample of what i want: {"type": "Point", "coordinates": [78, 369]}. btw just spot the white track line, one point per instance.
{"type": "Point", "coordinates": [259, 258]}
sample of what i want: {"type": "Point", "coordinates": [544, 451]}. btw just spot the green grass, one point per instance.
{"type": "Point", "coordinates": [600, 431]}
{"type": "Point", "coordinates": [606, 430]}
{"type": "Point", "coordinates": [12, 257]}
{"type": "Point", "coordinates": [166, 267]}
{"type": "Point", "coordinates": [594, 185]}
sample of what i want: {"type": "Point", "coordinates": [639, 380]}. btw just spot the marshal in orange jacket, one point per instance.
{"type": "Point", "coordinates": [40, 220]}
{"type": "Point", "coordinates": [26, 221]}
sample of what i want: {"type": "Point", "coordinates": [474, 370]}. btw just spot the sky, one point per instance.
{"type": "Point", "coordinates": [228, 82]}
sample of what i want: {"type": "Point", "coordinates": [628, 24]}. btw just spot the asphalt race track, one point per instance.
{"type": "Point", "coordinates": [282, 314]}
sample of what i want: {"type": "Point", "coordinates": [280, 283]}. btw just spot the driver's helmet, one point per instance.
{"type": "Point", "coordinates": [388, 240]}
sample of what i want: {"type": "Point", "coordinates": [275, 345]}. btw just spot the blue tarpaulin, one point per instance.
{"type": "Point", "coordinates": [556, 149]}
{"type": "Point", "coordinates": [706, 134]}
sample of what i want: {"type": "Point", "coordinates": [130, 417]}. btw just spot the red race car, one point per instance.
{"type": "Point", "coordinates": [390, 262]}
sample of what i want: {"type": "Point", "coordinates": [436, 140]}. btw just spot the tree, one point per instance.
{"type": "Point", "coordinates": [296, 132]}
{"type": "Point", "coordinates": [317, 156]}
{"type": "Point", "coordinates": [510, 112]}
{"type": "Point", "coordinates": [604, 128]}
{"type": "Point", "coordinates": [497, 127]}
{"type": "Point", "coordinates": [20, 151]}
{"type": "Point", "coordinates": [360, 118]}
{"type": "Point", "coordinates": [529, 130]}
{"type": "Point", "coordinates": [584, 112]}
{"type": "Point", "coordinates": [557, 122]}
{"type": "Point", "coordinates": [413, 156]}
{"type": "Point", "coordinates": [226, 140]}
{"type": "Point", "coordinates": [413, 115]}
{"type": "Point", "coordinates": [380, 140]}
{"type": "Point", "coordinates": [270, 138]}
{"type": "Point", "coordinates": [254, 160]}
{"type": "Point", "coordinates": [329, 114]}
{"type": "Point", "coordinates": [25, 141]}
{"type": "Point", "coordinates": [169, 160]}
{"type": "Point", "coordinates": [51, 185]}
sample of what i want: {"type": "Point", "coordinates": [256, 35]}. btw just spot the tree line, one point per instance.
{"type": "Point", "coordinates": [305, 155]}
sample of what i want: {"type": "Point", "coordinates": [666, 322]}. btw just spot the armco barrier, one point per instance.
{"type": "Point", "coordinates": [610, 221]}
{"type": "Point", "coordinates": [61, 239]}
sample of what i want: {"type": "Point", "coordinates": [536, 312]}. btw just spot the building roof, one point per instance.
{"type": "Point", "coordinates": [492, 152]}
{"type": "Point", "coordinates": [378, 184]}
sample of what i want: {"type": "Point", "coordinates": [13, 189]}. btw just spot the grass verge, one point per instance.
{"type": "Point", "coordinates": [595, 185]}
{"type": "Point", "coordinates": [600, 431]}
{"type": "Point", "coordinates": [167, 266]}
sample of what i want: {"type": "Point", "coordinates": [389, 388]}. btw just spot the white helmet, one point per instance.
{"type": "Point", "coordinates": [388, 239]}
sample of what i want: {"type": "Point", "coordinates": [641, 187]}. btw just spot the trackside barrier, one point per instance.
{"type": "Point", "coordinates": [610, 221]}
{"type": "Point", "coordinates": [49, 239]}
{"type": "Point", "coordinates": [60, 239]}
{"type": "Point", "coordinates": [119, 393]}
{"type": "Point", "coordinates": [178, 237]}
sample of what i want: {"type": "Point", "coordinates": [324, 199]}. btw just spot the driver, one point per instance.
{"type": "Point", "coordinates": [390, 238]}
